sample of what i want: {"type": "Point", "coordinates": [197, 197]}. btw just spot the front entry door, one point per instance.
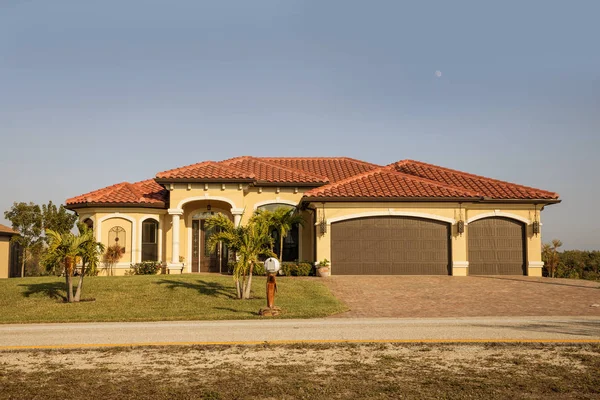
{"type": "Point", "coordinates": [208, 261]}
{"type": "Point", "coordinates": [195, 245]}
{"type": "Point", "coordinates": [203, 260]}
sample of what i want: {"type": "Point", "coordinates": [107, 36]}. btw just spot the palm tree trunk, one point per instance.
{"type": "Point", "coordinates": [79, 285]}
{"type": "Point", "coordinates": [238, 288]}
{"type": "Point", "coordinates": [68, 277]}
{"type": "Point", "coordinates": [281, 246]}
{"type": "Point", "coordinates": [249, 283]}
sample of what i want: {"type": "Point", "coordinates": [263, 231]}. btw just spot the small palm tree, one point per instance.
{"type": "Point", "coordinates": [90, 258]}
{"type": "Point", "coordinates": [550, 256]}
{"type": "Point", "coordinates": [284, 219]}
{"type": "Point", "coordinates": [249, 243]}
{"type": "Point", "coordinates": [67, 247]}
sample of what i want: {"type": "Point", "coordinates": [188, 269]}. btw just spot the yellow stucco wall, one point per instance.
{"type": "Point", "coordinates": [449, 212]}
{"type": "Point", "coordinates": [131, 220]}
{"type": "Point", "coordinates": [4, 256]}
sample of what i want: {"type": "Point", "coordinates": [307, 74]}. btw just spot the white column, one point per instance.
{"type": "Point", "coordinates": [175, 213]}
{"type": "Point", "coordinates": [237, 216]}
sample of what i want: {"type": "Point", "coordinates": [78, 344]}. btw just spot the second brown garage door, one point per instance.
{"type": "Point", "coordinates": [496, 247]}
{"type": "Point", "coordinates": [390, 246]}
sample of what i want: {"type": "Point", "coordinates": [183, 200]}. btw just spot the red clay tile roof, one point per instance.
{"type": "Point", "coordinates": [267, 171]}
{"type": "Point", "coordinates": [386, 182]}
{"type": "Point", "coordinates": [334, 168]}
{"type": "Point", "coordinates": [144, 193]}
{"type": "Point", "coordinates": [7, 230]}
{"type": "Point", "coordinates": [207, 170]}
{"type": "Point", "coordinates": [485, 187]}
{"type": "Point", "coordinates": [335, 177]}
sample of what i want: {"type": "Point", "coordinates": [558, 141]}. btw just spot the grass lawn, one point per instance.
{"type": "Point", "coordinates": [330, 371]}
{"type": "Point", "coordinates": [158, 298]}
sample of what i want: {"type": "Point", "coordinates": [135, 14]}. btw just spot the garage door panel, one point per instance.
{"type": "Point", "coordinates": [390, 246]}
{"type": "Point", "coordinates": [496, 247]}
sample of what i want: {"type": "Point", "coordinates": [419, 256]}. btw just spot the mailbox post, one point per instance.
{"type": "Point", "coordinates": [272, 265]}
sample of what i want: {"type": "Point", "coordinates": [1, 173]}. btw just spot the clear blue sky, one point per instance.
{"type": "Point", "coordinates": [97, 92]}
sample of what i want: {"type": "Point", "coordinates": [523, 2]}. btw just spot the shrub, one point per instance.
{"type": "Point", "coordinates": [304, 269]}
{"type": "Point", "coordinates": [289, 268]}
{"type": "Point", "coordinates": [146, 268]}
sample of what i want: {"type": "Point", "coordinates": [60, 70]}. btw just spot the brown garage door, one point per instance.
{"type": "Point", "coordinates": [496, 247]}
{"type": "Point", "coordinates": [390, 246]}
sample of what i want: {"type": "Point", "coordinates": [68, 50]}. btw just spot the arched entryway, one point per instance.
{"type": "Point", "coordinates": [200, 257]}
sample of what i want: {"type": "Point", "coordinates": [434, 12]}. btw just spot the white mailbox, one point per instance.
{"type": "Point", "coordinates": [272, 265]}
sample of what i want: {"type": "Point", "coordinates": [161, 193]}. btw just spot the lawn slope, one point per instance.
{"type": "Point", "coordinates": [158, 298]}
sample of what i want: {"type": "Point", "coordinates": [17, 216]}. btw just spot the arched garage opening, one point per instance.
{"type": "Point", "coordinates": [496, 247]}
{"type": "Point", "coordinates": [390, 245]}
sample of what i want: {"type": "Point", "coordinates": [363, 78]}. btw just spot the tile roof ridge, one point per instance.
{"type": "Point", "coordinates": [322, 158]}
{"type": "Point", "coordinates": [86, 196]}
{"type": "Point", "coordinates": [349, 179]}
{"type": "Point", "coordinates": [405, 162]}
{"type": "Point", "coordinates": [435, 183]}
{"type": "Point", "coordinates": [390, 169]}
{"type": "Point", "coordinates": [133, 188]}
{"type": "Point", "coordinates": [361, 161]}
{"type": "Point", "coordinates": [206, 162]}
{"type": "Point", "coordinates": [275, 165]}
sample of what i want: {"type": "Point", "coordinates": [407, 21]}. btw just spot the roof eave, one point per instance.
{"type": "Point", "coordinates": [521, 201]}
{"type": "Point", "coordinates": [386, 199]}
{"type": "Point", "coordinates": [77, 206]}
{"type": "Point", "coordinates": [162, 181]}
{"type": "Point", "coordinates": [293, 184]}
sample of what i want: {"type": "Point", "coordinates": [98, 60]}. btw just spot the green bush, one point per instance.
{"type": "Point", "coordinates": [146, 268]}
{"type": "Point", "coordinates": [289, 268]}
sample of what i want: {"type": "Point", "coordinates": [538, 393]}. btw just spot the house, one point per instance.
{"type": "Point", "coordinates": [9, 255]}
{"type": "Point", "coordinates": [407, 217]}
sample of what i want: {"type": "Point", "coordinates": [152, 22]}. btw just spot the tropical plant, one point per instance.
{"type": "Point", "coordinates": [283, 219]}
{"type": "Point", "coordinates": [111, 256]}
{"type": "Point", "coordinates": [90, 257]}
{"type": "Point", "coordinates": [249, 243]}
{"type": "Point", "coordinates": [551, 256]}
{"type": "Point", "coordinates": [146, 268]}
{"type": "Point", "coordinates": [68, 247]}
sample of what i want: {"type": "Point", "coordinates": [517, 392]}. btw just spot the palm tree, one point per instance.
{"type": "Point", "coordinates": [67, 247]}
{"type": "Point", "coordinates": [284, 219]}
{"type": "Point", "coordinates": [90, 257]}
{"type": "Point", "coordinates": [550, 256]}
{"type": "Point", "coordinates": [249, 243]}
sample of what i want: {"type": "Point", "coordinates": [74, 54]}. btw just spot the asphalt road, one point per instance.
{"type": "Point", "coordinates": [315, 330]}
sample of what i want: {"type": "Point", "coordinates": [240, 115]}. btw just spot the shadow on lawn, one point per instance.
{"type": "Point", "coordinates": [53, 290]}
{"type": "Point", "coordinates": [206, 288]}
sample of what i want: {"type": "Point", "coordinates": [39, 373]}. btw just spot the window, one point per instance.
{"type": "Point", "coordinates": [89, 223]}
{"type": "Point", "coordinates": [290, 241]}
{"type": "Point", "coordinates": [149, 240]}
{"type": "Point", "coordinates": [117, 236]}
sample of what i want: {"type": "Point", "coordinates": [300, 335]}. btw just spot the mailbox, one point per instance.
{"type": "Point", "coordinates": [272, 265]}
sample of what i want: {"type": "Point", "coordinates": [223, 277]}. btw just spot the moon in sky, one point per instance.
{"type": "Point", "coordinates": [438, 73]}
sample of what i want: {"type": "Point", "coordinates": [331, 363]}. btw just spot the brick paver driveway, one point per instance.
{"type": "Point", "coordinates": [472, 296]}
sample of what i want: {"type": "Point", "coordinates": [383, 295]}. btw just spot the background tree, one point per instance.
{"type": "Point", "coordinates": [59, 219]}
{"type": "Point", "coordinates": [249, 243]}
{"type": "Point", "coordinates": [27, 220]}
{"type": "Point", "coordinates": [550, 256]}
{"type": "Point", "coordinates": [68, 246]}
